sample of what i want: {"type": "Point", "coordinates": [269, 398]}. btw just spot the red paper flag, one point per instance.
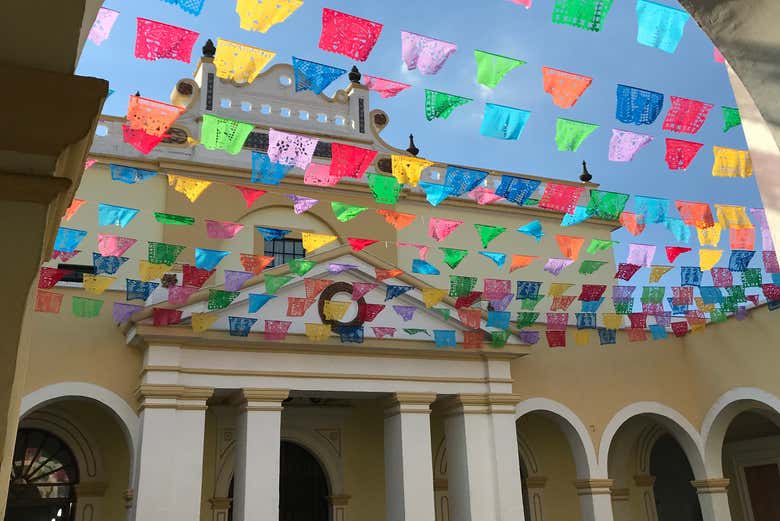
{"type": "Point", "coordinates": [166, 317]}
{"type": "Point", "coordinates": [314, 287]}
{"type": "Point", "coordinates": [156, 40]}
{"type": "Point", "coordinates": [387, 274]}
{"type": "Point", "coordinates": [360, 244]}
{"type": "Point", "coordinates": [562, 198]}
{"type": "Point", "coordinates": [48, 302]}
{"type": "Point", "coordinates": [140, 140]}
{"type": "Point", "coordinates": [686, 115]}
{"type": "Point", "coordinates": [250, 194]}
{"type": "Point", "coordinates": [556, 338]}
{"type": "Point", "coordinates": [50, 277]}
{"type": "Point", "coordinates": [680, 329]}
{"type": "Point", "coordinates": [695, 214]}
{"type": "Point", "coordinates": [680, 153]}
{"type": "Point", "coordinates": [468, 300]}
{"type": "Point", "coordinates": [194, 276]}
{"type": "Point", "coordinates": [672, 252]}
{"type": "Point", "coordinates": [350, 161]}
{"type": "Point", "coordinates": [473, 339]}
{"type": "Point", "coordinates": [626, 271]}
{"type": "Point", "coordinates": [349, 35]}
{"type": "Point", "coordinates": [630, 222]}
{"type": "Point", "coordinates": [470, 317]}
{"type": "Point", "coordinates": [370, 311]}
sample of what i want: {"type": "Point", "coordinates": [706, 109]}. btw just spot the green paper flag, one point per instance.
{"type": "Point", "coordinates": [731, 118]}
{"type": "Point", "coordinates": [444, 312]}
{"type": "Point", "coordinates": [385, 188]}
{"type": "Point", "coordinates": [498, 339]}
{"type": "Point", "coordinates": [588, 267]}
{"type": "Point", "coordinates": [413, 331]}
{"type": "Point", "coordinates": [597, 245]}
{"type": "Point", "coordinates": [274, 282]}
{"type": "Point", "coordinates": [452, 256]}
{"type": "Point", "coordinates": [301, 266]}
{"type": "Point", "coordinates": [346, 212]}
{"type": "Point", "coordinates": [220, 299]}
{"type": "Point", "coordinates": [737, 293]}
{"type": "Point", "coordinates": [717, 315]}
{"type": "Point", "coordinates": [86, 307]}
{"type": "Point", "coordinates": [751, 278]}
{"type": "Point", "coordinates": [461, 286]}
{"type": "Point", "coordinates": [440, 105]}
{"type": "Point", "coordinates": [162, 253]}
{"type": "Point", "coordinates": [729, 305]}
{"type": "Point", "coordinates": [526, 318]}
{"type": "Point", "coordinates": [531, 202]}
{"type": "Point", "coordinates": [168, 218]}
{"type": "Point", "coordinates": [583, 14]}
{"type": "Point", "coordinates": [528, 304]}
{"type": "Point", "coordinates": [653, 294]}
{"type": "Point", "coordinates": [623, 307]}
{"type": "Point", "coordinates": [488, 233]}
{"type": "Point", "coordinates": [606, 205]}
{"type": "Point", "coordinates": [569, 134]}
{"type": "Point", "coordinates": [224, 134]}
{"type": "Point", "coordinates": [491, 68]}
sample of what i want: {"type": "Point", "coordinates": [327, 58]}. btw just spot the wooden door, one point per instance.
{"type": "Point", "coordinates": [763, 483]}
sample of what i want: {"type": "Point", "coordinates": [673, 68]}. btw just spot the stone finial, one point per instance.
{"type": "Point", "coordinates": [354, 75]}
{"type": "Point", "coordinates": [209, 50]}
{"type": "Point", "coordinates": [138, 93]}
{"type": "Point", "coordinates": [585, 176]}
{"type": "Point", "coordinates": [412, 148]}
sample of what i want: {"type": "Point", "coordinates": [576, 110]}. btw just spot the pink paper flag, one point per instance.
{"type": "Point", "coordinates": [350, 161]}
{"type": "Point", "coordinates": [234, 280]}
{"type": "Point", "coordinates": [302, 204]}
{"type": "Point", "coordinates": [222, 229]}
{"type": "Point", "coordinates": [439, 229]}
{"type": "Point", "coordinates": [156, 40]}
{"type": "Point", "coordinates": [556, 266]}
{"type": "Point", "coordinates": [382, 332]}
{"type": "Point", "coordinates": [483, 195]}
{"type": "Point", "coordinates": [319, 175]}
{"type": "Point", "coordinates": [276, 329]}
{"type": "Point", "coordinates": [385, 88]}
{"type": "Point", "coordinates": [140, 140]}
{"type": "Point", "coordinates": [88, 163]}
{"type": "Point", "coordinates": [717, 56]}
{"type": "Point", "coordinates": [422, 250]}
{"type": "Point", "coordinates": [624, 144]}
{"type": "Point", "coordinates": [178, 295]}
{"type": "Point", "coordinates": [113, 245]}
{"type": "Point", "coordinates": [100, 30]}
{"type": "Point", "coordinates": [641, 254]}
{"type": "Point", "coordinates": [64, 256]}
{"type": "Point", "coordinates": [423, 53]}
{"type": "Point", "coordinates": [526, 3]}
{"type": "Point", "coordinates": [250, 195]}
{"type": "Point", "coordinates": [290, 149]}
{"type": "Point", "coordinates": [361, 288]}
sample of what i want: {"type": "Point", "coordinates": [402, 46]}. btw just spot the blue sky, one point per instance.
{"type": "Point", "coordinates": [611, 56]}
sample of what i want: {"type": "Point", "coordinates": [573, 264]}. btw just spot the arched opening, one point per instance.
{"type": "Point", "coordinates": [44, 474]}
{"type": "Point", "coordinates": [675, 497]}
{"type": "Point", "coordinates": [524, 477]}
{"type": "Point", "coordinates": [303, 486]}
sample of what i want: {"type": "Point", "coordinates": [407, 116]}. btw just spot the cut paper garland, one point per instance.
{"type": "Point", "coordinates": [407, 169]}
{"type": "Point", "coordinates": [439, 229]}
{"type": "Point", "coordinates": [625, 144]}
{"type": "Point", "coordinates": [266, 171]}
{"type": "Point", "coordinates": [290, 149]}
{"type": "Point", "coordinates": [102, 26]}
{"type": "Point", "coordinates": [385, 88]}
{"type": "Point", "coordinates": [314, 76]}
{"type": "Point", "coordinates": [73, 208]}
{"type": "Point", "coordinates": [192, 7]}
{"type": "Point", "coordinates": [731, 118]}
{"type": "Point", "coordinates": [686, 115]}
{"type": "Point", "coordinates": [130, 175]}
{"type": "Point", "coordinates": [565, 87]}
{"type": "Point", "coordinates": [660, 26]}
{"type": "Point", "coordinates": [460, 180]}
{"type": "Point", "coordinates": [224, 134]}
{"type": "Point", "coordinates": [570, 134]}
{"type": "Point", "coordinates": [271, 234]}
{"type": "Point", "coordinates": [262, 15]}
{"type": "Point", "coordinates": [423, 53]}
{"type": "Point", "coordinates": [302, 204]}
{"type": "Point", "coordinates": [350, 161]}
{"type": "Point", "coordinates": [730, 162]}
{"type": "Point", "coordinates": [534, 229]}
{"type": "Point", "coordinates": [680, 153]}
{"type": "Point", "coordinates": [239, 62]}
{"type": "Point", "coordinates": [441, 105]}
{"type": "Point", "coordinates": [560, 197]}
{"type": "Point", "coordinates": [517, 189]}
{"type": "Point", "coordinates": [502, 122]}
{"type": "Point", "coordinates": [491, 68]}
{"type": "Point", "coordinates": [206, 259]}
{"type": "Point", "coordinates": [151, 116]}
{"type": "Point", "coordinates": [176, 220]}
{"type": "Point", "coordinates": [638, 106]}
{"type": "Point", "coordinates": [140, 140]}
{"type": "Point", "coordinates": [583, 14]}
{"type": "Point", "coordinates": [156, 40]}
{"type": "Point", "coordinates": [191, 188]}
{"type": "Point", "coordinates": [349, 35]}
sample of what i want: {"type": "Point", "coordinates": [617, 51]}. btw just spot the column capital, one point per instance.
{"type": "Point", "coordinates": [711, 486]}
{"type": "Point", "coordinates": [128, 495]}
{"type": "Point", "coordinates": [620, 494]}
{"type": "Point", "coordinates": [536, 481]}
{"type": "Point", "coordinates": [263, 399]}
{"type": "Point", "coordinates": [592, 487]}
{"type": "Point", "coordinates": [644, 480]}
{"type": "Point", "coordinates": [339, 500]}
{"type": "Point", "coordinates": [220, 503]}
{"type": "Point", "coordinates": [409, 403]}
{"type": "Point", "coordinates": [483, 403]}
{"type": "Point", "coordinates": [168, 396]}
{"type": "Point", "coordinates": [91, 489]}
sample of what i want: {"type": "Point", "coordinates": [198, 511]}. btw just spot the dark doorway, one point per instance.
{"type": "Point", "coordinates": [303, 486]}
{"type": "Point", "coordinates": [675, 497]}
{"type": "Point", "coordinates": [763, 483]}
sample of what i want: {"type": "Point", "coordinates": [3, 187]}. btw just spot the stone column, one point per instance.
{"type": "Point", "coordinates": [170, 461]}
{"type": "Point", "coordinates": [713, 499]}
{"type": "Point", "coordinates": [644, 483]}
{"type": "Point", "coordinates": [338, 505]}
{"type": "Point", "coordinates": [482, 457]}
{"type": "Point", "coordinates": [535, 486]}
{"type": "Point", "coordinates": [258, 445]}
{"type": "Point", "coordinates": [595, 499]}
{"type": "Point", "coordinates": [90, 500]}
{"type": "Point", "coordinates": [219, 508]}
{"type": "Point", "coordinates": [621, 509]}
{"type": "Point", "coordinates": [408, 458]}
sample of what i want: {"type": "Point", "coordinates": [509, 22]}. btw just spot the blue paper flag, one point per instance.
{"type": "Point", "coordinates": [188, 6]}
{"type": "Point", "coordinates": [434, 193]}
{"type": "Point", "coordinates": [652, 209]}
{"type": "Point", "coordinates": [580, 214]}
{"type": "Point", "coordinates": [499, 319]}
{"type": "Point", "coordinates": [111, 215]}
{"type": "Point", "coordinates": [638, 106]}
{"type": "Point", "coordinates": [660, 26]}
{"type": "Point", "coordinates": [395, 291]}
{"type": "Point", "coordinates": [534, 229]}
{"type": "Point", "coordinates": [424, 267]}
{"type": "Point", "coordinates": [711, 295]}
{"type": "Point", "coordinates": [138, 290]}
{"type": "Point", "coordinates": [527, 289]}
{"type": "Point", "coordinates": [680, 230]}
{"type": "Point", "coordinates": [776, 279]}
{"type": "Point", "coordinates": [266, 171]}
{"type": "Point", "coordinates": [314, 76]}
{"type": "Point", "coordinates": [658, 332]}
{"type": "Point", "coordinates": [240, 326]}
{"type": "Point", "coordinates": [740, 259]}
{"type": "Point", "coordinates": [68, 239]}
{"type": "Point", "coordinates": [350, 334]}
{"type": "Point", "coordinates": [258, 300]}
{"type": "Point", "coordinates": [498, 258]}
{"type": "Point", "coordinates": [208, 259]}
{"type": "Point", "coordinates": [130, 175]}
{"type": "Point", "coordinates": [462, 180]}
{"type": "Point", "coordinates": [444, 337]}
{"type": "Point", "coordinates": [503, 122]}
{"type": "Point", "coordinates": [607, 336]}
{"type": "Point", "coordinates": [690, 276]}
{"type": "Point", "coordinates": [106, 264]}
{"type": "Point", "coordinates": [516, 189]}
{"type": "Point", "coordinates": [586, 320]}
{"type": "Point", "coordinates": [271, 234]}
{"type": "Point", "coordinates": [679, 309]}
{"type": "Point", "coordinates": [591, 306]}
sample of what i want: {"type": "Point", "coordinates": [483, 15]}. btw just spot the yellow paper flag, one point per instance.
{"type": "Point", "coordinates": [733, 216]}
{"type": "Point", "coordinates": [149, 271]}
{"type": "Point", "coordinates": [261, 16]}
{"type": "Point", "coordinates": [730, 162]}
{"type": "Point", "coordinates": [202, 321]}
{"type": "Point", "coordinates": [97, 284]}
{"type": "Point", "coordinates": [407, 169]}
{"type": "Point", "coordinates": [709, 258]}
{"type": "Point", "coordinates": [709, 236]}
{"type": "Point", "coordinates": [558, 288]}
{"type": "Point", "coordinates": [317, 332]}
{"type": "Point", "coordinates": [191, 188]}
{"type": "Point", "coordinates": [656, 272]}
{"type": "Point", "coordinates": [582, 337]}
{"type": "Point", "coordinates": [706, 308]}
{"type": "Point", "coordinates": [432, 296]}
{"type": "Point", "coordinates": [313, 241]}
{"type": "Point", "coordinates": [240, 63]}
{"type": "Point", "coordinates": [335, 310]}
{"type": "Point", "coordinates": [613, 321]}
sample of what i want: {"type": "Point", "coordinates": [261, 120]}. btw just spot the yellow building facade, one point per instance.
{"type": "Point", "coordinates": [153, 423]}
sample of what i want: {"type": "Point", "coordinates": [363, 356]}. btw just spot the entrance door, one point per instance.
{"type": "Point", "coordinates": [763, 483]}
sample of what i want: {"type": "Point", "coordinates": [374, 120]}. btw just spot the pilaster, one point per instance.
{"type": "Point", "coordinates": [595, 498]}
{"type": "Point", "coordinates": [644, 483]}
{"type": "Point", "coordinates": [713, 498]}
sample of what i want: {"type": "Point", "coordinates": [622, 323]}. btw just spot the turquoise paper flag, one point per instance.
{"type": "Point", "coordinates": [534, 229]}
{"type": "Point", "coordinates": [424, 267]}
{"type": "Point", "coordinates": [434, 193]}
{"type": "Point", "coordinates": [444, 337]}
{"type": "Point", "coordinates": [502, 122]}
{"type": "Point", "coordinates": [660, 26]}
{"type": "Point", "coordinates": [130, 175]}
{"type": "Point", "coordinates": [111, 215]}
{"type": "Point", "coordinates": [68, 239]}
{"type": "Point", "coordinates": [498, 258]}
{"type": "Point", "coordinates": [258, 300]}
{"type": "Point", "coordinates": [271, 234]}
{"type": "Point", "coordinates": [208, 259]}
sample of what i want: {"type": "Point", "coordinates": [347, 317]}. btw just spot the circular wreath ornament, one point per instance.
{"type": "Point", "coordinates": [328, 293]}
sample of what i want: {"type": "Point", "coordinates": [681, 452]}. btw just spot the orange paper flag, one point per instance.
{"type": "Point", "coordinates": [73, 208]}
{"type": "Point", "coordinates": [570, 246]}
{"type": "Point", "coordinates": [397, 219]}
{"type": "Point", "coordinates": [521, 261]}
{"type": "Point", "coordinates": [387, 274]}
{"type": "Point", "coordinates": [254, 263]}
{"type": "Point", "coordinates": [631, 223]}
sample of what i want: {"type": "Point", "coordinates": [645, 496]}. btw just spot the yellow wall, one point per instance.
{"type": "Point", "coordinates": [363, 454]}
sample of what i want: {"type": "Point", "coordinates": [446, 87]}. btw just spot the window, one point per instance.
{"type": "Point", "coordinates": [284, 250]}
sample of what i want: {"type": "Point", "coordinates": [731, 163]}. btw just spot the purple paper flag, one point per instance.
{"type": "Point", "coordinates": [555, 266]}
{"type": "Point", "coordinates": [641, 254]}
{"type": "Point", "coordinates": [123, 312]}
{"type": "Point", "coordinates": [302, 204]}
{"type": "Point", "coordinates": [405, 312]}
{"type": "Point", "coordinates": [529, 337]}
{"type": "Point", "coordinates": [336, 267]}
{"type": "Point", "coordinates": [234, 280]}
{"type": "Point", "coordinates": [625, 144]}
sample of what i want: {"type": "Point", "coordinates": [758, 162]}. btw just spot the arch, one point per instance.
{"type": "Point", "coordinates": [718, 419]}
{"type": "Point", "coordinates": [128, 420]}
{"type": "Point", "coordinates": [677, 425]}
{"type": "Point", "coordinates": [572, 427]}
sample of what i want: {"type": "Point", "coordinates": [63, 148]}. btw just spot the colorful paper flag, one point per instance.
{"type": "Point", "coordinates": [660, 26]}
{"type": "Point", "coordinates": [314, 241]}
{"type": "Point", "coordinates": [638, 106]}
{"type": "Point", "coordinates": [570, 134]}
{"type": "Point", "coordinates": [314, 76]}
{"type": "Point", "coordinates": [349, 35]}
{"type": "Point", "coordinates": [686, 115]}
{"type": "Point", "coordinates": [441, 105]}
{"type": "Point", "coordinates": [385, 88]}
{"type": "Point", "coordinates": [156, 40]}
{"type": "Point", "coordinates": [423, 53]}
{"type": "Point", "coordinates": [218, 133]}
{"type": "Point", "coordinates": [261, 15]}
